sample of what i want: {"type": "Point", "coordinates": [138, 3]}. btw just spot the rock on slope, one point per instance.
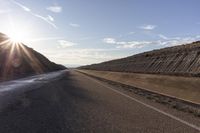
{"type": "Point", "coordinates": [18, 60]}
{"type": "Point", "coordinates": [178, 60]}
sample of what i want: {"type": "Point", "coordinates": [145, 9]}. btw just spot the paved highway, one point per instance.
{"type": "Point", "coordinates": [68, 101]}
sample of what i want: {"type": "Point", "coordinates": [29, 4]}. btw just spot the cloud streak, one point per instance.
{"type": "Point", "coordinates": [126, 44]}
{"type": "Point", "coordinates": [22, 6]}
{"type": "Point", "coordinates": [109, 40]}
{"type": "Point", "coordinates": [134, 44]}
{"type": "Point", "coordinates": [148, 27]}
{"type": "Point", "coordinates": [74, 25]}
{"type": "Point", "coordinates": [46, 19]}
{"type": "Point", "coordinates": [55, 9]}
{"type": "Point", "coordinates": [163, 37]}
{"type": "Point", "coordinates": [49, 19]}
{"type": "Point", "coordinates": [65, 44]}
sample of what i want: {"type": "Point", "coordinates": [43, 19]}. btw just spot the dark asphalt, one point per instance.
{"type": "Point", "coordinates": [76, 103]}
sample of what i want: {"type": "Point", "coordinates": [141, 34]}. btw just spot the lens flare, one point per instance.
{"type": "Point", "coordinates": [17, 37]}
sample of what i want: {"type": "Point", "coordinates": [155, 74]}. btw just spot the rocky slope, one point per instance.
{"type": "Point", "coordinates": [18, 60]}
{"type": "Point", "coordinates": [178, 60]}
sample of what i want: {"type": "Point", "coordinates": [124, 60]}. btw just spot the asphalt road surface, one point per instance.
{"type": "Point", "coordinates": [69, 101]}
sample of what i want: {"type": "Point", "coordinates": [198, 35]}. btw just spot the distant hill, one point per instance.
{"type": "Point", "coordinates": [178, 60]}
{"type": "Point", "coordinates": [18, 60]}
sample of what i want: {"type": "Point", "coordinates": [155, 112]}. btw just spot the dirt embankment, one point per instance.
{"type": "Point", "coordinates": [181, 60]}
{"type": "Point", "coordinates": [186, 88]}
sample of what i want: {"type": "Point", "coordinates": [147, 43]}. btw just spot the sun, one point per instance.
{"type": "Point", "coordinates": [19, 31]}
{"type": "Point", "coordinates": [17, 37]}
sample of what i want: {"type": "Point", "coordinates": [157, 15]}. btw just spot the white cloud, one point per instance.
{"type": "Point", "coordinates": [126, 44]}
{"type": "Point", "coordinates": [55, 9]}
{"type": "Point", "coordinates": [180, 41]}
{"type": "Point", "coordinates": [109, 40]}
{"type": "Point", "coordinates": [50, 18]}
{"type": "Point", "coordinates": [134, 44]}
{"type": "Point", "coordinates": [176, 41]}
{"type": "Point", "coordinates": [74, 25]}
{"type": "Point", "coordinates": [148, 27]}
{"type": "Point", "coordinates": [163, 37]}
{"type": "Point", "coordinates": [65, 44]}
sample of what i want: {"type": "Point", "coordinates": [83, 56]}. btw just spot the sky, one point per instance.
{"type": "Point", "coordinates": [81, 32]}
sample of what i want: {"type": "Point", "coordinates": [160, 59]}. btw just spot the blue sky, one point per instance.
{"type": "Point", "coordinates": [79, 32]}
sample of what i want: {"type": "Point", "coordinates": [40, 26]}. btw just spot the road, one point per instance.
{"type": "Point", "coordinates": [69, 101]}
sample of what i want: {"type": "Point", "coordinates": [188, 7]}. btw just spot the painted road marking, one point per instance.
{"type": "Point", "coordinates": [149, 106]}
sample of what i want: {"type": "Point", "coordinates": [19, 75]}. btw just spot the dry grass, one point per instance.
{"type": "Point", "coordinates": [187, 88]}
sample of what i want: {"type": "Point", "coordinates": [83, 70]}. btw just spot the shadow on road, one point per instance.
{"type": "Point", "coordinates": [49, 109]}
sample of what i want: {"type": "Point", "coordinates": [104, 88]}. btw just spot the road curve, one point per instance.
{"type": "Point", "coordinates": [77, 103]}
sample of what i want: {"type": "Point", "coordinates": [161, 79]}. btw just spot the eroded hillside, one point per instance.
{"type": "Point", "coordinates": [178, 60]}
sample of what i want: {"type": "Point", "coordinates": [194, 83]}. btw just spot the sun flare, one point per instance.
{"type": "Point", "coordinates": [18, 37]}
{"type": "Point", "coordinates": [18, 32]}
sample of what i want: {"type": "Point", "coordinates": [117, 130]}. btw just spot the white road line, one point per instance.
{"type": "Point", "coordinates": [149, 106]}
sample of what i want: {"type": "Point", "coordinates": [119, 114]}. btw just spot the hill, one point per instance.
{"type": "Point", "coordinates": [178, 60]}
{"type": "Point", "coordinates": [17, 60]}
